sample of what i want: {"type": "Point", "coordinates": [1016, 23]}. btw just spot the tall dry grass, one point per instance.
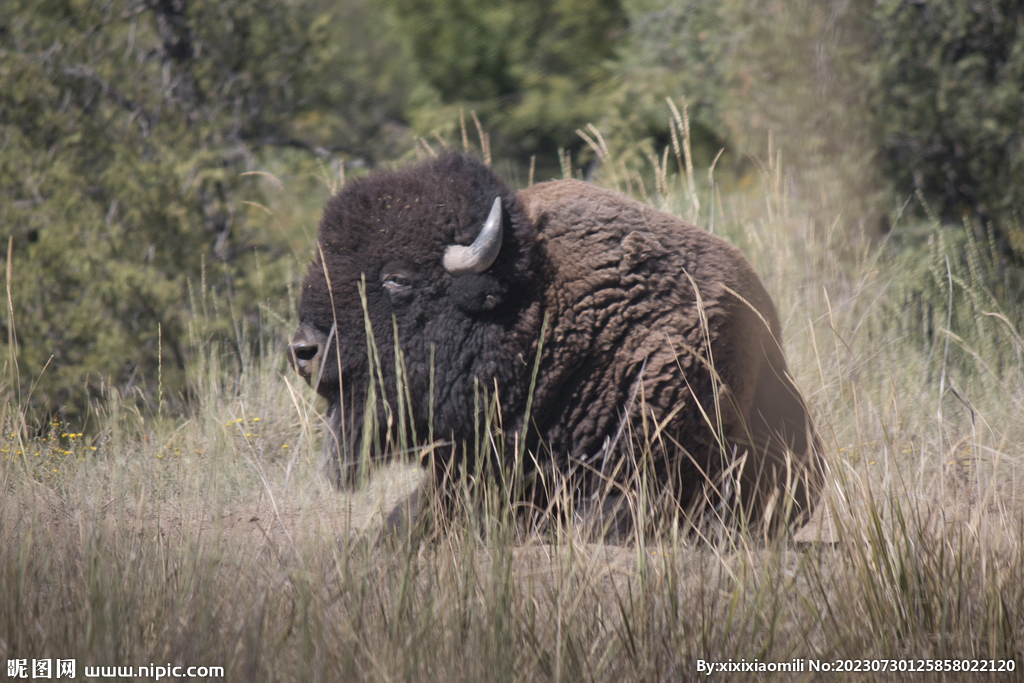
{"type": "Point", "coordinates": [208, 539]}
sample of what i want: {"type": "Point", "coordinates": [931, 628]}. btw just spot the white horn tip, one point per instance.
{"type": "Point", "coordinates": [477, 257]}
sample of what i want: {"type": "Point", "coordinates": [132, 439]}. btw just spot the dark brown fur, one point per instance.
{"type": "Point", "coordinates": [657, 332]}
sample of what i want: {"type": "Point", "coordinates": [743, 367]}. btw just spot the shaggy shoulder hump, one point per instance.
{"type": "Point", "coordinates": [572, 215]}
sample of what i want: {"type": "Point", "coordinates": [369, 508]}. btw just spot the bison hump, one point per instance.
{"type": "Point", "coordinates": [638, 248]}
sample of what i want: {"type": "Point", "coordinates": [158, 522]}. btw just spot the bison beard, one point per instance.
{"type": "Point", "coordinates": [661, 345]}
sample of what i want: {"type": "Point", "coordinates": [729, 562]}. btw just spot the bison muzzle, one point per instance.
{"type": "Point", "coordinates": [607, 339]}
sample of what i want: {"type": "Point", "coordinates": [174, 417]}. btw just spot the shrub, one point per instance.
{"type": "Point", "coordinates": [534, 71]}
{"type": "Point", "coordinates": [126, 131]}
{"type": "Point", "coordinates": [949, 84]}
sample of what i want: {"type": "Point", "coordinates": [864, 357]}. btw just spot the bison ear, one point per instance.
{"type": "Point", "coordinates": [474, 293]}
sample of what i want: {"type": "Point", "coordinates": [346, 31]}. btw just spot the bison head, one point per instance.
{"type": "Point", "coordinates": [419, 293]}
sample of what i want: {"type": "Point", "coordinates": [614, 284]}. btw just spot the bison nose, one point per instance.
{"type": "Point", "coordinates": [305, 351]}
{"type": "Point", "coordinates": [303, 357]}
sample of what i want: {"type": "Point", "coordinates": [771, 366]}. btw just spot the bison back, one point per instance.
{"type": "Point", "coordinates": [660, 331]}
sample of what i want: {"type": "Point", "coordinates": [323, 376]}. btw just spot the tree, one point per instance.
{"type": "Point", "coordinates": [533, 70]}
{"type": "Point", "coordinates": [126, 128]}
{"type": "Point", "coordinates": [672, 50]}
{"type": "Point", "coordinates": [950, 103]}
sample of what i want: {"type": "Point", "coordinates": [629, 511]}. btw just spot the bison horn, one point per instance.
{"type": "Point", "coordinates": [477, 257]}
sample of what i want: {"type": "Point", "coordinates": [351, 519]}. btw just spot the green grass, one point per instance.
{"type": "Point", "coordinates": [208, 538]}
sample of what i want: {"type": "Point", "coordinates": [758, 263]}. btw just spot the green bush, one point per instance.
{"type": "Point", "coordinates": [949, 84]}
{"type": "Point", "coordinates": [127, 132]}
{"type": "Point", "coordinates": [671, 50]}
{"type": "Point", "coordinates": [533, 70]}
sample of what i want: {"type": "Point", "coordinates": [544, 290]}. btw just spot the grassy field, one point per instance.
{"type": "Point", "coordinates": [207, 539]}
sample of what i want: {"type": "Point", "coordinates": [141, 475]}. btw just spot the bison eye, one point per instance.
{"type": "Point", "coordinates": [395, 282]}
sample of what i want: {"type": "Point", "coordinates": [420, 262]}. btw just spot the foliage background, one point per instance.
{"type": "Point", "coordinates": [137, 136]}
{"type": "Point", "coordinates": [162, 167]}
{"type": "Point", "coordinates": [949, 101]}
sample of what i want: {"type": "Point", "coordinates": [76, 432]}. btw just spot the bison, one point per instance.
{"type": "Point", "coordinates": [609, 339]}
